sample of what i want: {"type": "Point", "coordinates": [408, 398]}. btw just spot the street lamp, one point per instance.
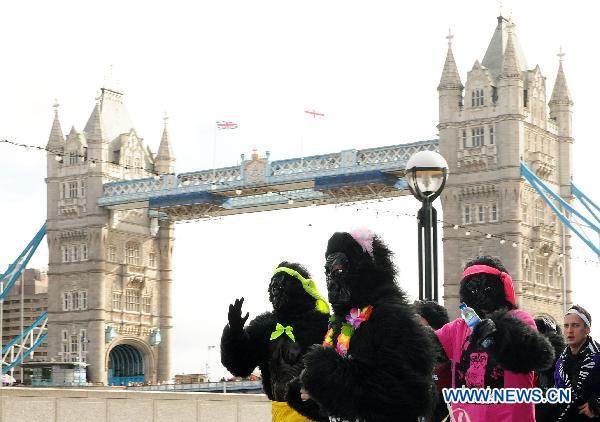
{"type": "Point", "coordinates": [426, 174]}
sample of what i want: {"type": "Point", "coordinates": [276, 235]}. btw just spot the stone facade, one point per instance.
{"type": "Point", "coordinates": [109, 270]}
{"type": "Point", "coordinates": [486, 127]}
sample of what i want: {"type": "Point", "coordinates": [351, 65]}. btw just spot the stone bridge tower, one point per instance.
{"type": "Point", "coordinates": [109, 270]}
{"type": "Point", "coordinates": [499, 117]}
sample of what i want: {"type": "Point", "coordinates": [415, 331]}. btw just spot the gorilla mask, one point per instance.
{"type": "Point", "coordinates": [484, 292]}
{"type": "Point", "coordinates": [358, 270]}
{"type": "Point", "coordinates": [286, 293]}
{"type": "Point", "coordinates": [339, 291]}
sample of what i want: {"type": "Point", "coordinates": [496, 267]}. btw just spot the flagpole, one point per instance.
{"type": "Point", "coordinates": [313, 113]}
{"type": "Point", "coordinates": [302, 135]}
{"type": "Point", "coordinates": [214, 165]}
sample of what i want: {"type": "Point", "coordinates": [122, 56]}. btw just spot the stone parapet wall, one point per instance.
{"type": "Point", "coordinates": [110, 405]}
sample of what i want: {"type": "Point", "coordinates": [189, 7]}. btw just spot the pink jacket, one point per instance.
{"type": "Point", "coordinates": [477, 370]}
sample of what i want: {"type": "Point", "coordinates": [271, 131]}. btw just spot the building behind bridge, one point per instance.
{"type": "Point", "coordinates": [35, 302]}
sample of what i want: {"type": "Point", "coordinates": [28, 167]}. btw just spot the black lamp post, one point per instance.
{"type": "Point", "coordinates": [426, 174]}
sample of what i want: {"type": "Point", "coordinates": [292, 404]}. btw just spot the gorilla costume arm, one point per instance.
{"type": "Point", "coordinates": [517, 346]}
{"type": "Point", "coordinates": [308, 408]}
{"type": "Point", "coordinates": [386, 376]}
{"type": "Point", "coordinates": [243, 349]}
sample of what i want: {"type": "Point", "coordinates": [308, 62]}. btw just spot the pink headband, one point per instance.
{"type": "Point", "coordinates": [509, 291]}
{"type": "Point", "coordinates": [364, 237]}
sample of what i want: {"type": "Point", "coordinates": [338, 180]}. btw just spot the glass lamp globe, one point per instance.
{"type": "Point", "coordinates": [426, 173]}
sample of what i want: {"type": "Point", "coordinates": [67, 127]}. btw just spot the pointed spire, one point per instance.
{"type": "Point", "coordinates": [165, 160]}
{"type": "Point", "coordinates": [450, 78]}
{"type": "Point", "coordinates": [164, 150]}
{"type": "Point", "coordinates": [109, 118]}
{"type": "Point", "coordinates": [93, 128]}
{"type": "Point", "coordinates": [477, 65]}
{"type": "Point", "coordinates": [493, 59]}
{"type": "Point", "coordinates": [56, 137]}
{"type": "Point", "coordinates": [510, 64]}
{"type": "Point", "coordinates": [561, 93]}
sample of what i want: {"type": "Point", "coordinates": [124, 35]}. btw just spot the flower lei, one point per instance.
{"type": "Point", "coordinates": [353, 321]}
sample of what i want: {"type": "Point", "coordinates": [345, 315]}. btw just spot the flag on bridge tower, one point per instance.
{"type": "Point", "coordinates": [222, 125]}
{"type": "Point", "coordinates": [314, 114]}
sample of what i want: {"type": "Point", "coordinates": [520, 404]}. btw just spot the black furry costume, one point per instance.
{"type": "Point", "coordinates": [515, 346]}
{"type": "Point", "coordinates": [386, 374]}
{"type": "Point", "coordinates": [280, 359]}
{"type": "Point", "coordinates": [436, 316]}
{"type": "Point", "coordinates": [545, 412]}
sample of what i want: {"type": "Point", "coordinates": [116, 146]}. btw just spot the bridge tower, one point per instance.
{"type": "Point", "coordinates": [109, 270]}
{"type": "Point", "coordinates": [499, 117]}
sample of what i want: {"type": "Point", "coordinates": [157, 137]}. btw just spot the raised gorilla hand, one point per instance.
{"type": "Point", "coordinates": [236, 322]}
{"type": "Point", "coordinates": [483, 333]}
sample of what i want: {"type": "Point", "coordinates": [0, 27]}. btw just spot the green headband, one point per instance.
{"type": "Point", "coordinates": [309, 287]}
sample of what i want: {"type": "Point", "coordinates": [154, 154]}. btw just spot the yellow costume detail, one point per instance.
{"type": "Point", "coordinates": [282, 412]}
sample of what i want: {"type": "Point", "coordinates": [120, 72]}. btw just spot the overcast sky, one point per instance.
{"type": "Point", "coordinates": [371, 67]}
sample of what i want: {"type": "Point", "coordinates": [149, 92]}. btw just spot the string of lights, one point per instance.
{"type": "Point", "coordinates": [59, 156]}
{"type": "Point", "coordinates": [468, 230]}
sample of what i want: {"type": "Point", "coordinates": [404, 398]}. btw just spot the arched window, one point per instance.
{"type": "Point", "coordinates": [132, 253]}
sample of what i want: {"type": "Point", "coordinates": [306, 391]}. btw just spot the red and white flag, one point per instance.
{"type": "Point", "coordinates": [313, 113]}
{"type": "Point", "coordinates": [221, 124]}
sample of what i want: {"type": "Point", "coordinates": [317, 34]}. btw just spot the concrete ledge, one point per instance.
{"type": "Point", "coordinates": [108, 405]}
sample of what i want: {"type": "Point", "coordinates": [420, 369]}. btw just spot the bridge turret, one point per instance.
{"type": "Point", "coordinates": [561, 102]}
{"type": "Point", "coordinates": [510, 80]}
{"type": "Point", "coordinates": [561, 111]}
{"type": "Point", "coordinates": [165, 159]}
{"type": "Point", "coordinates": [56, 142]}
{"type": "Point", "coordinates": [504, 120]}
{"type": "Point", "coordinates": [450, 87]}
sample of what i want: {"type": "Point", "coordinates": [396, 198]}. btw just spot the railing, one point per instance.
{"type": "Point", "coordinates": [282, 171]}
{"type": "Point", "coordinates": [222, 386]}
{"type": "Point", "coordinates": [209, 177]}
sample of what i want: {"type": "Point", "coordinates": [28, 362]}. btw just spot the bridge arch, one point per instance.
{"type": "Point", "coordinates": [130, 360]}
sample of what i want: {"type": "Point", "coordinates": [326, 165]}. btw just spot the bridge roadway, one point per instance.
{"type": "Point", "coordinates": [260, 185]}
{"type": "Point", "coordinates": [206, 387]}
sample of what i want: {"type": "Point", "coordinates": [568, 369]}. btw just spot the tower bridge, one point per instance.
{"type": "Point", "coordinates": [259, 185]}
{"type": "Point", "coordinates": [112, 205]}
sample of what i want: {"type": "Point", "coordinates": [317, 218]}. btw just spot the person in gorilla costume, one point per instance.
{"type": "Point", "coordinates": [276, 341]}
{"type": "Point", "coordinates": [545, 412]}
{"type": "Point", "coordinates": [504, 348]}
{"type": "Point", "coordinates": [376, 362]}
{"type": "Point", "coordinates": [435, 316]}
